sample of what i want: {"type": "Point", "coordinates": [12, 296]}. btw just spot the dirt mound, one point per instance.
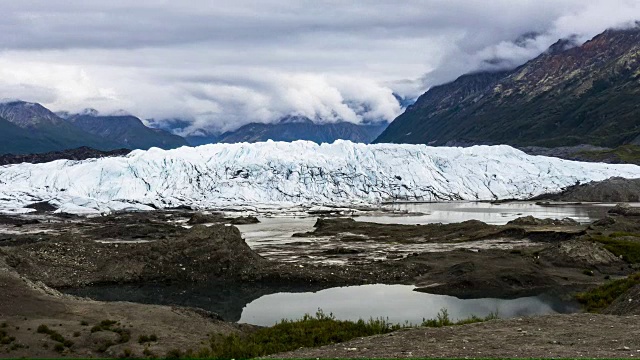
{"type": "Point", "coordinates": [611, 190]}
{"type": "Point", "coordinates": [532, 221]}
{"type": "Point", "coordinates": [202, 253]}
{"type": "Point", "coordinates": [626, 304]}
{"type": "Point", "coordinates": [558, 336]}
{"type": "Point", "coordinates": [218, 218]}
{"type": "Point", "coordinates": [201, 218]}
{"type": "Point", "coordinates": [625, 210]}
{"type": "Point", "coordinates": [578, 253]}
{"type": "Point", "coordinates": [26, 306]}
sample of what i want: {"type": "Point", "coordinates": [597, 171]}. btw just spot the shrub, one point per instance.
{"type": "Point", "coordinates": [599, 298]}
{"type": "Point", "coordinates": [629, 250]}
{"type": "Point", "coordinates": [147, 352]}
{"type": "Point", "coordinates": [43, 329]}
{"type": "Point", "coordinates": [311, 331]}
{"type": "Point", "coordinates": [173, 354]}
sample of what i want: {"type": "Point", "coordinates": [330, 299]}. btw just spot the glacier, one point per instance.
{"type": "Point", "coordinates": [300, 173]}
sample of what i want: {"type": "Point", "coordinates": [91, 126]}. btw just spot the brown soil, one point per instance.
{"type": "Point", "coordinates": [66, 252]}
{"type": "Point", "coordinates": [573, 336]}
{"type": "Point", "coordinates": [25, 305]}
{"type": "Point", "coordinates": [626, 304]}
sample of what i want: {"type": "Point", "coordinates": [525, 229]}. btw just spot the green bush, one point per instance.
{"type": "Point", "coordinates": [629, 250]}
{"type": "Point", "coordinates": [311, 331]}
{"type": "Point", "coordinates": [288, 335]}
{"type": "Point", "coordinates": [599, 298]}
{"type": "Point", "coordinates": [43, 329]}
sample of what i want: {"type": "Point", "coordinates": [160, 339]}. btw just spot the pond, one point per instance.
{"type": "Point", "coordinates": [264, 305]}
{"type": "Point", "coordinates": [397, 303]}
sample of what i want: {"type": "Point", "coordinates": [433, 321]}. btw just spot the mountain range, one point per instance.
{"type": "Point", "coordinates": [125, 129]}
{"type": "Point", "coordinates": [288, 128]}
{"type": "Point", "coordinates": [31, 128]}
{"type": "Point", "coordinates": [569, 95]}
{"type": "Point", "coordinates": [301, 128]}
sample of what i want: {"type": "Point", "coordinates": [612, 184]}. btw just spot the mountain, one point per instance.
{"type": "Point", "coordinates": [294, 128]}
{"type": "Point", "coordinates": [15, 139]}
{"type": "Point", "coordinates": [126, 130]}
{"type": "Point", "coordinates": [567, 96]}
{"type": "Point", "coordinates": [81, 153]}
{"type": "Point", "coordinates": [30, 128]}
{"type": "Point", "coordinates": [294, 174]}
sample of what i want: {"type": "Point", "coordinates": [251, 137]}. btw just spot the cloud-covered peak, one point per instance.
{"type": "Point", "coordinates": [224, 64]}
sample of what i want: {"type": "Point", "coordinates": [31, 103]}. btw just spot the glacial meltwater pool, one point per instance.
{"type": "Point", "coordinates": [397, 303]}
{"type": "Point", "coordinates": [262, 305]}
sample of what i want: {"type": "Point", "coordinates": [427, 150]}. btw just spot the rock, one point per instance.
{"type": "Point", "coordinates": [578, 253]}
{"type": "Point", "coordinates": [532, 221]}
{"type": "Point", "coordinates": [625, 210]}
{"type": "Point", "coordinates": [245, 220]}
{"type": "Point", "coordinates": [200, 218]}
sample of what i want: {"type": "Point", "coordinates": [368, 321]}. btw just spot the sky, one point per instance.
{"type": "Point", "coordinates": [221, 64]}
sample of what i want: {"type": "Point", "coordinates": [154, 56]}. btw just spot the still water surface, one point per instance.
{"type": "Point", "coordinates": [278, 230]}
{"type": "Point", "coordinates": [397, 303]}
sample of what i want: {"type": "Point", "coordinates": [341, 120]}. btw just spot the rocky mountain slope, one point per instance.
{"type": "Point", "coordinates": [566, 96]}
{"type": "Point", "coordinates": [31, 128]}
{"type": "Point", "coordinates": [289, 128]}
{"type": "Point", "coordinates": [81, 153]}
{"type": "Point", "coordinates": [126, 130]}
{"type": "Point", "coordinates": [301, 128]}
{"type": "Point", "coordinates": [293, 174]}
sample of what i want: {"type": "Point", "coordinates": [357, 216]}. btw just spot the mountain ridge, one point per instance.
{"type": "Point", "coordinates": [564, 97]}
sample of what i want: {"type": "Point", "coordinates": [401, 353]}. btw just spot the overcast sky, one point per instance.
{"type": "Point", "coordinates": [221, 64]}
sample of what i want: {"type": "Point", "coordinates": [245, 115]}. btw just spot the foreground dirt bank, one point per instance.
{"type": "Point", "coordinates": [578, 335]}
{"type": "Point", "coordinates": [26, 306]}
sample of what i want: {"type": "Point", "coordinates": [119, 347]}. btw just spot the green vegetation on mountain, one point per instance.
{"type": "Point", "coordinates": [27, 128]}
{"type": "Point", "coordinates": [127, 130]}
{"type": "Point", "coordinates": [564, 97]}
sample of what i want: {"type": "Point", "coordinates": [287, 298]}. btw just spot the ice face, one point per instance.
{"type": "Point", "coordinates": [298, 173]}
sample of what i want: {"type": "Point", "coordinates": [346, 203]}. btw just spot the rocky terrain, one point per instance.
{"type": "Point", "coordinates": [81, 153]}
{"type": "Point", "coordinates": [30, 128]}
{"type": "Point", "coordinates": [567, 96]}
{"type": "Point", "coordinates": [45, 250]}
{"type": "Point", "coordinates": [614, 190]}
{"type": "Point", "coordinates": [39, 322]}
{"type": "Point", "coordinates": [127, 130]}
{"type": "Point", "coordinates": [556, 336]}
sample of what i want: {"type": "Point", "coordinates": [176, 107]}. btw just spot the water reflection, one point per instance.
{"type": "Point", "coordinates": [278, 230]}
{"type": "Point", "coordinates": [398, 303]}
{"type": "Point", "coordinates": [262, 304]}
{"type": "Point", "coordinates": [497, 214]}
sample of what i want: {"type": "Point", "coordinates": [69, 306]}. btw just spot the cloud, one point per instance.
{"type": "Point", "coordinates": [226, 63]}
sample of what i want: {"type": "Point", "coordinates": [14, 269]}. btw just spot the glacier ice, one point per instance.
{"type": "Point", "coordinates": [290, 174]}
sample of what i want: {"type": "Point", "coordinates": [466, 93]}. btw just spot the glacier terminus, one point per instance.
{"type": "Point", "coordinates": [300, 173]}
